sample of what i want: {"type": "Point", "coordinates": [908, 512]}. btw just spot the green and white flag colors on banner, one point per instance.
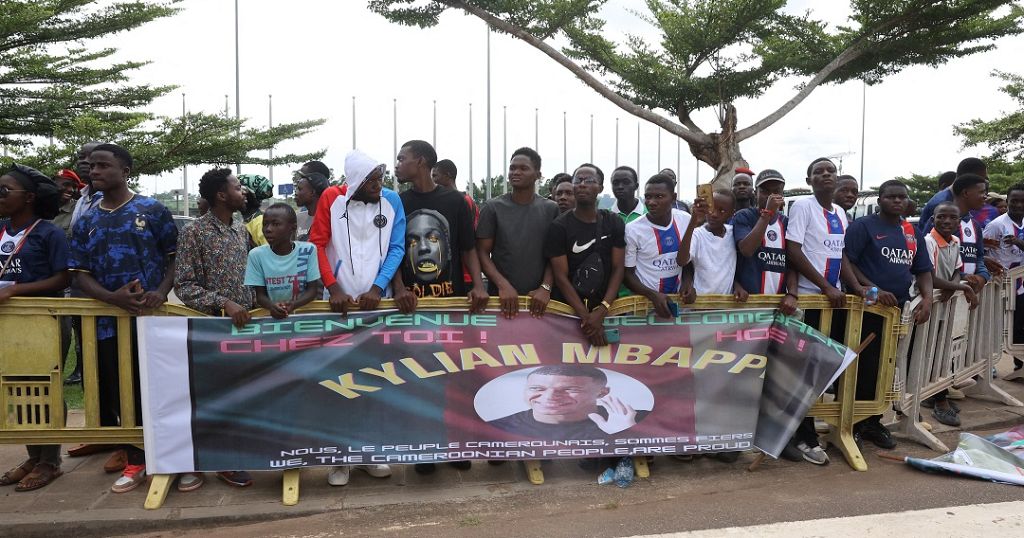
{"type": "Point", "coordinates": [440, 385]}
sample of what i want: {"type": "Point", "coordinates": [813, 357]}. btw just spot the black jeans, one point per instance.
{"type": "Point", "coordinates": [110, 391]}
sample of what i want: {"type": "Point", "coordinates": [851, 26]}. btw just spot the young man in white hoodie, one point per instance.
{"type": "Point", "coordinates": [359, 232]}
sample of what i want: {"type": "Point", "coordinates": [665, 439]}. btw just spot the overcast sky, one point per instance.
{"type": "Point", "coordinates": [314, 56]}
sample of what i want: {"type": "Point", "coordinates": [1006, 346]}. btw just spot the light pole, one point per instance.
{"type": "Point", "coordinates": [184, 167]}
{"type": "Point", "coordinates": [487, 192]}
{"type": "Point", "coordinates": [486, 188]}
{"type": "Point", "coordinates": [394, 136]}
{"type": "Point", "coordinates": [565, 140]}
{"type": "Point", "coordinates": [616, 142]}
{"type": "Point", "coordinates": [504, 142]}
{"type": "Point", "coordinates": [270, 123]}
{"type": "Point", "coordinates": [238, 89]}
{"type": "Point", "coordinates": [863, 120]}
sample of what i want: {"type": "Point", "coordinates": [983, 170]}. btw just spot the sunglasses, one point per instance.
{"type": "Point", "coordinates": [5, 190]}
{"type": "Point", "coordinates": [585, 181]}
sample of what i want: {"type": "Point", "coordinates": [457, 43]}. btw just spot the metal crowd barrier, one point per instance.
{"type": "Point", "coordinates": [32, 391]}
{"type": "Point", "coordinates": [956, 345]}
{"type": "Point", "coordinates": [1013, 280]}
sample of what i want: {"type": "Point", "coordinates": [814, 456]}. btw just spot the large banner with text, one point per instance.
{"type": "Point", "coordinates": [443, 385]}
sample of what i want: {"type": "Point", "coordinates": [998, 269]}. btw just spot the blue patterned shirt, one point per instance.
{"type": "Point", "coordinates": [116, 246]}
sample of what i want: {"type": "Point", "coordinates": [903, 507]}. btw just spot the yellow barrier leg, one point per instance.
{"type": "Point", "coordinates": [159, 485]}
{"type": "Point", "coordinates": [534, 472]}
{"type": "Point", "coordinates": [290, 494]}
{"type": "Point", "coordinates": [642, 470]}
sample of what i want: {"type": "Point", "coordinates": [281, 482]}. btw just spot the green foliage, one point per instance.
{"type": "Point", "coordinates": [50, 86]}
{"type": "Point", "coordinates": [1005, 135]}
{"type": "Point", "coordinates": [1003, 174]}
{"type": "Point", "coordinates": [921, 187]}
{"type": "Point", "coordinates": [498, 188]}
{"type": "Point", "coordinates": [702, 54]}
{"type": "Point", "coordinates": [47, 78]}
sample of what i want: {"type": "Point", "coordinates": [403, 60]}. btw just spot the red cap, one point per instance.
{"type": "Point", "coordinates": [70, 174]}
{"type": "Point", "coordinates": [742, 170]}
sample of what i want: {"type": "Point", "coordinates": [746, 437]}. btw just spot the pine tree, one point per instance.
{"type": "Point", "coordinates": [53, 86]}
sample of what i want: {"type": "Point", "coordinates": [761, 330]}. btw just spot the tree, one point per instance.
{"type": "Point", "coordinates": [710, 53]}
{"type": "Point", "coordinates": [478, 190]}
{"type": "Point", "coordinates": [50, 86]}
{"type": "Point", "coordinates": [1005, 136]}
{"type": "Point", "coordinates": [921, 187]}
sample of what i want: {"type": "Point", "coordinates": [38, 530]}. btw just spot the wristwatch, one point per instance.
{"type": "Point", "coordinates": [547, 287]}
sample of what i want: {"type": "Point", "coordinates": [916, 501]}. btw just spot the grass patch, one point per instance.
{"type": "Point", "coordinates": [72, 393]}
{"type": "Point", "coordinates": [611, 506]}
{"type": "Point", "coordinates": [470, 521]}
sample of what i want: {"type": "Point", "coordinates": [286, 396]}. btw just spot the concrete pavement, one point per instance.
{"type": "Point", "coordinates": [722, 495]}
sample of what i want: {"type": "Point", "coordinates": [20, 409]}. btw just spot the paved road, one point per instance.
{"type": "Point", "coordinates": [704, 494]}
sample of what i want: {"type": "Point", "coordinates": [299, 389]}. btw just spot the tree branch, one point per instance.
{"type": "Point", "coordinates": [847, 56]}
{"type": "Point", "coordinates": [588, 79]}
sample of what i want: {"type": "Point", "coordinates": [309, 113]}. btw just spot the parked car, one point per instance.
{"type": "Point", "coordinates": [181, 221]}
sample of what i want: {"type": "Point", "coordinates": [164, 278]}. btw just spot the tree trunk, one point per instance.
{"type": "Point", "coordinates": [722, 151]}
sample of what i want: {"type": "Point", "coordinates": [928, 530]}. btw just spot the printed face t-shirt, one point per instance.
{"type": "Point", "coordinates": [765, 271]}
{"type": "Point", "coordinates": [821, 232]}
{"type": "Point", "coordinates": [285, 277]}
{"type": "Point", "coordinates": [438, 229]}
{"type": "Point", "coordinates": [889, 255]}
{"type": "Point", "coordinates": [652, 250]}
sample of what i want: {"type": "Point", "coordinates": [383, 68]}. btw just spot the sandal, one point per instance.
{"type": "Point", "coordinates": [16, 474]}
{"type": "Point", "coordinates": [41, 475]}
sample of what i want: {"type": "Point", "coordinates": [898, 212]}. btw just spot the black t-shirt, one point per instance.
{"type": "Point", "coordinates": [438, 228]}
{"type": "Point", "coordinates": [570, 237]}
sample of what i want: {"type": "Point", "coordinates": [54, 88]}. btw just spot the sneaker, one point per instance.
{"type": "Point", "coordinates": [190, 481]}
{"type": "Point", "coordinates": [376, 471]}
{"type": "Point", "coordinates": [1016, 375]}
{"type": "Point", "coordinates": [424, 468]}
{"type": "Point", "coordinates": [74, 379]}
{"type": "Point", "coordinates": [946, 415]}
{"type": "Point", "coordinates": [873, 430]}
{"type": "Point", "coordinates": [813, 454]}
{"type": "Point", "coordinates": [239, 479]}
{"type": "Point", "coordinates": [462, 465]}
{"type": "Point", "coordinates": [133, 477]}
{"type": "Point", "coordinates": [928, 403]}
{"type": "Point", "coordinates": [338, 476]}
{"type": "Point", "coordinates": [955, 394]}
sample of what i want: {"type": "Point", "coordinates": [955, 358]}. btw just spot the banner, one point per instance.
{"type": "Point", "coordinates": [444, 385]}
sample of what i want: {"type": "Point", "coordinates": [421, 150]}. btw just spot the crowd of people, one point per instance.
{"type": "Point", "coordinates": [85, 233]}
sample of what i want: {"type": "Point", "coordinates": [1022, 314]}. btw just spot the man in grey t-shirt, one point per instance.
{"type": "Point", "coordinates": [510, 238]}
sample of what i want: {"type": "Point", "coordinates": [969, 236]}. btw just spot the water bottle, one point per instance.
{"type": "Point", "coordinates": [607, 477]}
{"type": "Point", "coordinates": [872, 296]}
{"type": "Point", "coordinates": [624, 473]}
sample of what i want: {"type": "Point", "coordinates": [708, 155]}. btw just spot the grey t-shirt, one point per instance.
{"type": "Point", "coordinates": [518, 232]}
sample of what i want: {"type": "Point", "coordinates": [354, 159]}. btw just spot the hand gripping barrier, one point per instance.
{"type": "Point", "coordinates": [31, 388]}
{"type": "Point", "coordinates": [954, 346]}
